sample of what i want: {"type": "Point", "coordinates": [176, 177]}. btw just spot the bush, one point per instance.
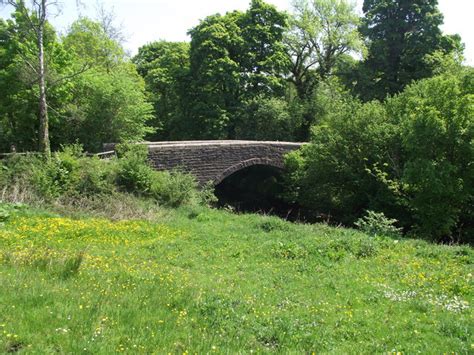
{"type": "Point", "coordinates": [17, 180]}
{"type": "Point", "coordinates": [4, 214]}
{"type": "Point", "coordinates": [273, 224]}
{"type": "Point", "coordinates": [207, 195]}
{"type": "Point", "coordinates": [374, 224]}
{"type": "Point", "coordinates": [437, 133]}
{"type": "Point", "coordinates": [174, 188]}
{"type": "Point", "coordinates": [96, 177]}
{"type": "Point", "coordinates": [18, 168]}
{"type": "Point", "coordinates": [59, 175]}
{"type": "Point", "coordinates": [70, 174]}
{"type": "Point", "coordinates": [133, 173]}
{"type": "Point", "coordinates": [330, 176]}
{"type": "Point", "coordinates": [7, 209]}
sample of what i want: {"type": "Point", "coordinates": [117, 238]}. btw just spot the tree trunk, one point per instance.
{"type": "Point", "coordinates": [44, 145]}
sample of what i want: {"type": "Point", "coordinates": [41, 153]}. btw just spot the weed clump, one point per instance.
{"type": "Point", "coordinates": [273, 224]}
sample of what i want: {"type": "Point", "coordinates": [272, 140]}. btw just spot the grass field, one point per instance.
{"type": "Point", "coordinates": [203, 281]}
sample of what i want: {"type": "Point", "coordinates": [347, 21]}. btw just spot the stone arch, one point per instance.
{"type": "Point", "coordinates": [245, 164]}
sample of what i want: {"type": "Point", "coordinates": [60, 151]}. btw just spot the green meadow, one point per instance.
{"type": "Point", "coordinates": [197, 280]}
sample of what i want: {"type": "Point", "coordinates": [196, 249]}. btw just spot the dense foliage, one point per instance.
{"type": "Point", "coordinates": [95, 94]}
{"type": "Point", "coordinates": [71, 175]}
{"type": "Point", "coordinates": [410, 158]}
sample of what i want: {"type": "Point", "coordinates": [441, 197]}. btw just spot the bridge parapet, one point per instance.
{"type": "Point", "coordinates": [215, 160]}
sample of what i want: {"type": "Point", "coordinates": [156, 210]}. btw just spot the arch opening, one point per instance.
{"type": "Point", "coordinates": [255, 188]}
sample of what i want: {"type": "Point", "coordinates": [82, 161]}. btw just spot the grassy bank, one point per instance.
{"type": "Point", "coordinates": [201, 280]}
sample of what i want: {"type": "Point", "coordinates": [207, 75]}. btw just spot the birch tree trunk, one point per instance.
{"type": "Point", "coordinates": [43, 139]}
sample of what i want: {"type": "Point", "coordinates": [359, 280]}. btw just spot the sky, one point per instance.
{"type": "Point", "coordinates": [145, 21]}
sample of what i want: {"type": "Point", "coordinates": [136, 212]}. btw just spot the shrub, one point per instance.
{"type": "Point", "coordinates": [273, 224]}
{"type": "Point", "coordinates": [96, 176]}
{"type": "Point", "coordinates": [365, 248]}
{"type": "Point", "coordinates": [4, 214]}
{"type": "Point", "coordinates": [138, 150]}
{"type": "Point", "coordinates": [330, 175]}
{"type": "Point", "coordinates": [173, 188]}
{"type": "Point", "coordinates": [18, 168]}
{"type": "Point", "coordinates": [206, 195]}
{"type": "Point", "coordinates": [374, 224]}
{"type": "Point", "coordinates": [70, 172]}
{"type": "Point", "coordinates": [57, 176]}
{"type": "Point", "coordinates": [18, 178]}
{"type": "Point", "coordinates": [437, 132]}
{"type": "Point", "coordinates": [71, 176]}
{"type": "Point", "coordinates": [7, 209]}
{"type": "Point", "coordinates": [133, 172]}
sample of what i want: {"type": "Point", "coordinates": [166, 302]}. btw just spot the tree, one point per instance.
{"type": "Point", "coordinates": [108, 102]}
{"type": "Point", "coordinates": [321, 33]}
{"type": "Point", "coordinates": [400, 33]}
{"type": "Point", "coordinates": [37, 22]}
{"type": "Point", "coordinates": [20, 85]}
{"type": "Point", "coordinates": [233, 58]}
{"type": "Point", "coordinates": [165, 68]}
{"type": "Point", "coordinates": [107, 107]}
{"type": "Point", "coordinates": [262, 58]}
{"type": "Point", "coordinates": [216, 83]}
{"type": "Point", "coordinates": [93, 45]}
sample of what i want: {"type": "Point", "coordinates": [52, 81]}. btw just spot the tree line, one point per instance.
{"type": "Point", "coordinates": [258, 74]}
{"type": "Point", "coordinates": [262, 74]}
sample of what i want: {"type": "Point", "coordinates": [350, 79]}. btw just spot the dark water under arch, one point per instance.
{"type": "Point", "coordinates": [257, 189]}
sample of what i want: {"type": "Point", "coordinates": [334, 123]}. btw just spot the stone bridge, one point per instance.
{"type": "Point", "coordinates": [216, 160]}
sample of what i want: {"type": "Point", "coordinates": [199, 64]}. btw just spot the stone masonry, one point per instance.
{"type": "Point", "coordinates": [216, 160]}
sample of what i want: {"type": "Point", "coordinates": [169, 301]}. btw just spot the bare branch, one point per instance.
{"type": "Point", "coordinates": [107, 19]}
